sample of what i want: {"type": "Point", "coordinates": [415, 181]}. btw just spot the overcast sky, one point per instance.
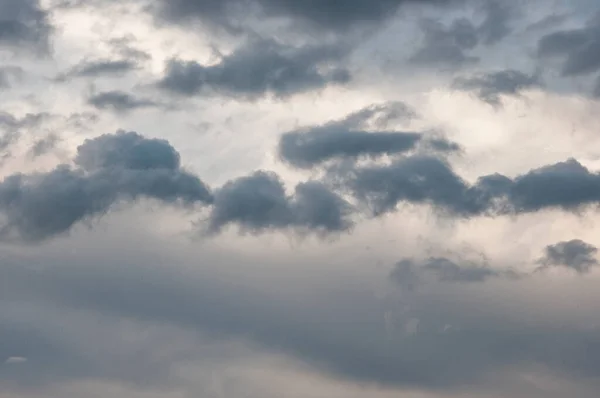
{"type": "Point", "coordinates": [299, 199]}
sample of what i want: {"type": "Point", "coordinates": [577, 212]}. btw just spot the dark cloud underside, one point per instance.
{"type": "Point", "coordinates": [257, 69]}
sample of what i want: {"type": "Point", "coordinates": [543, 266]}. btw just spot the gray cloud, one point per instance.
{"type": "Point", "coordinates": [428, 180]}
{"type": "Point", "coordinates": [496, 24]}
{"type": "Point", "coordinates": [123, 166]}
{"type": "Point", "coordinates": [579, 49]}
{"type": "Point", "coordinates": [118, 101]}
{"type": "Point", "coordinates": [98, 68]}
{"type": "Point", "coordinates": [329, 15]}
{"type": "Point", "coordinates": [9, 75]}
{"type": "Point", "coordinates": [309, 324]}
{"type": "Point", "coordinates": [258, 203]}
{"type": "Point", "coordinates": [491, 85]}
{"type": "Point", "coordinates": [449, 46]}
{"type": "Point", "coordinates": [29, 120]}
{"type": "Point", "coordinates": [261, 67]}
{"type": "Point", "coordinates": [353, 137]}
{"type": "Point", "coordinates": [410, 273]}
{"type": "Point", "coordinates": [24, 25]}
{"type": "Point", "coordinates": [446, 46]}
{"type": "Point", "coordinates": [574, 254]}
{"type": "Point", "coordinates": [44, 145]}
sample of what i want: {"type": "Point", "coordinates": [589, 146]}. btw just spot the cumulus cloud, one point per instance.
{"type": "Point", "coordinates": [490, 86]}
{"type": "Point", "coordinates": [258, 202]}
{"type": "Point", "coordinates": [259, 68]}
{"type": "Point", "coordinates": [575, 254]}
{"type": "Point", "coordinates": [353, 137]}
{"type": "Point", "coordinates": [428, 180]}
{"type": "Point", "coordinates": [111, 168]}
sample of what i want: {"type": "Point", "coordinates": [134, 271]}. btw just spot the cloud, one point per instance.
{"type": "Point", "coordinates": [496, 24]}
{"type": "Point", "coordinates": [579, 49]}
{"type": "Point", "coordinates": [29, 120]}
{"type": "Point", "coordinates": [490, 86]}
{"type": "Point", "coordinates": [9, 75]}
{"type": "Point", "coordinates": [449, 45]}
{"type": "Point", "coordinates": [353, 137]}
{"type": "Point", "coordinates": [98, 68]}
{"type": "Point", "coordinates": [258, 203]}
{"type": "Point", "coordinates": [574, 254]}
{"type": "Point", "coordinates": [24, 24]}
{"type": "Point", "coordinates": [410, 273]}
{"type": "Point", "coordinates": [111, 168]}
{"type": "Point", "coordinates": [259, 68]}
{"type": "Point", "coordinates": [446, 46]}
{"type": "Point", "coordinates": [428, 180]}
{"type": "Point", "coordinates": [44, 145]}
{"type": "Point", "coordinates": [327, 15]}
{"type": "Point", "coordinates": [281, 312]}
{"type": "Point", "coordinates": [118, 101]}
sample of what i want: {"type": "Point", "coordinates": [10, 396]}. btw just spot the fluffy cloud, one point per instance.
{"type": "Point", "coordinates": [257, 69]}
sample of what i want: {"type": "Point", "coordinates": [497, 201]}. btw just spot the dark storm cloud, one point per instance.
{"type": "Point", "coordinates": [98, 68]}
{"type": "Point", "coordinates": [428, 180]}
{"type": "Point", "coordinates": [354, 137]}
{"type": "Point", "coordinates": [261, 67]}
{"type": "Point", "coordinates": [574, 254]}
{"type": "Point", "coordinates": [492, 85]}
{"type": "Point", "coordinates": [410, 273]}
{"type": "Point", "coordinates": [24, 25]}
{"type": "Point", "coordinates": [578, 49]}
{"type": "Point", "coordinates": [258, 203]}
{"type": "Point", "coordinates": [118, 101]}
{"type": "Point", "coordinates": [112, 168]}
{"type": "Point", "coordinates": [329, 15]}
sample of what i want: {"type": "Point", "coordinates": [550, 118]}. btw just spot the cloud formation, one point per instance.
{"type": "Point", "coordinates": [575, 254]}
{"type": "Point", "coordinates": [428, 180]}
{"type": "Point", "coordinates": [258, 203]}
{"type": "Point", "coordinates": [110, 168]}
{"type": "Point", "coordinates": [119, 101]}
{"type": "Point", "coordinates": [578, 49]}
{"type": "Point", "coordinates": [491, 86]}
{"type": "Point", "coordinates": [257, 69]}
{"type": "Point", "coordinates": [410, 273]}
{"type": "Point", "coordinates": [364, 133]}
{"type": "Point", "coordinates": [327, 15]}
{"type": "Point", "coordinates": [24, 24]}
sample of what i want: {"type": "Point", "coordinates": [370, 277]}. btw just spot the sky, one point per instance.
{"type": "Point", "coordinates": [299, 199]}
